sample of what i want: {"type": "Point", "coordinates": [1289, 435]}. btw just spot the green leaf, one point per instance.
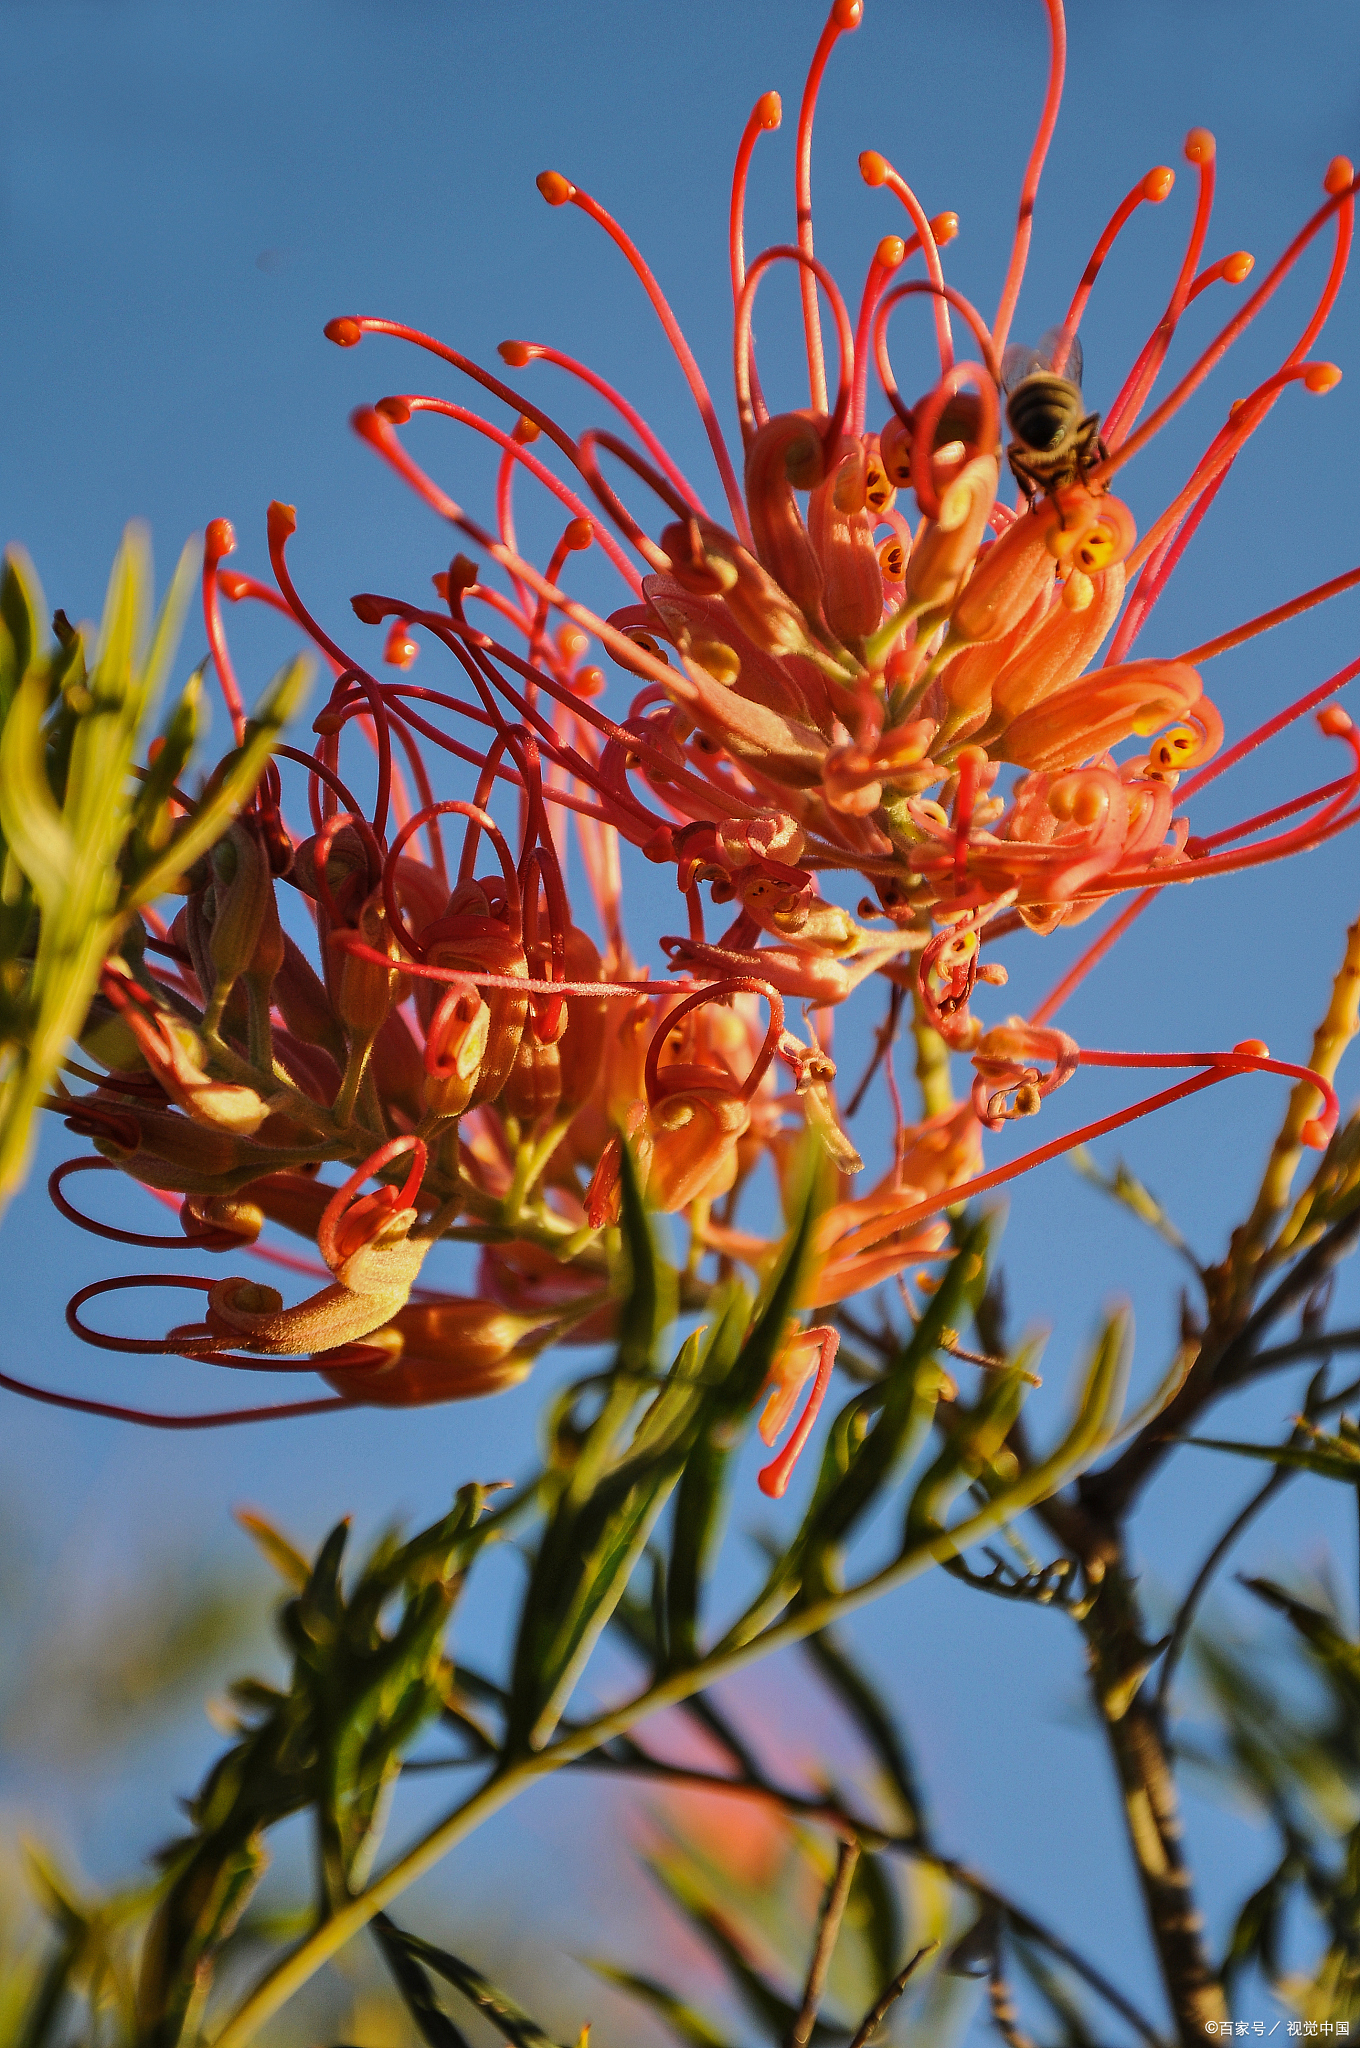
{"type": "Point", "coordinates": [1339, 1657]}
{"type": "Point", "coordinates": [1327, 1458]}
{"type": "Point", "coordinates": [697, 1518]}
{"type": "Point", "coordinates": [23, 622]}
{"type": "Point", "coordinates": [875, 1723]}
{"type": "Point", "coordinates": [687, 2025]}
{"type": "Point", "coordinates": [967, 1452]}
{"type": "Point", "coordinates": [1256, 1931]}
{"type": "Point", "coordinates": [281, 702]}
{"type": "Point", "coordinates": [592, 1542]}
{"type": "Point", "coordinates": [29, 816]}
{"type": "Point", "coordinates": [874, 1913]}
{"type": "Point", "coordinates": [646, 1302]}
{"type": "Point", "coordinates": [496, 2005]}
{"type": "Point", "coordinates": [434, 2024]}
{"type": "Point", "coordinates": [288, 1562]}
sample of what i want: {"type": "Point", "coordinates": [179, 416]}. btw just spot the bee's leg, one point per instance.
{"type": "Point", "coordinates": [1022, 477]}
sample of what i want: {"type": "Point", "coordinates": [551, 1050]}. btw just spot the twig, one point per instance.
{"type": "Point", "coordinates": [1004, 2015]}
{"type": "Point", "coordinates": [828, 1928]}
{"type": "Point", "coordinates": [1311, 1346]}
{"type": "Point", "coordinates": [883, 1038]}
{"type": "Point", "coordinates": [877, 2013]}
{"type": "Point", "coordinates": [871, 1837]}
{"type": "Point", "coordinates": [1189, 1606]}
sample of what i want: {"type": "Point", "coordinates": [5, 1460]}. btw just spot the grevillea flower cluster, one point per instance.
{"type": "Point", "coordinates": [866, 669]}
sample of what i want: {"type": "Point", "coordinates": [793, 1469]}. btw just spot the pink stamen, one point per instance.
{"type": "Point", "coordinates": [1261, 733]}
{"type": "Point", "coordinates": [1224, 340]}
{"type": "Point", "coordinates": [712, 992]}
{"type": "Point", "coordinates": [206, 1240]}
{"type": "Point", "coordinates": [346, 1224]}
{"type": "Point", "coordinates": [1233, 269]}
{"type": "Point", "coordinates": [282, 525]}
{"type": "Point", "coordinates": [451, 806]}
{"type": "Point", "coordinates": [744, 351]}
{"type": "Point", "coordinates": [956, 299]}
{"type": "Point", "coordinates": [845, 15]}
{"type": "Point", "coordinates": [1152, 188]}
{"type": "Point", "coordinates": [773, 1480]}
{"type": "Point", "coordinates": [1265, 621]}
{"type": "Point", "coordinates": [1094, 954]}
{"type": "Point", "coordinates": [1200, 150]}
{"type": "Point", "coordinates": [515, 451]}
{"type": "Point", "coordinates": [220, 540]}
{"type": "Point", "coordinates": [516, 354]}
{"type": "Point", "coordinates": [558, 190]}
{"type": "Point", "coordinates": [764, 117]}
{"type": "Point", "coordinates": [149, 1420]}
{"type": "Point", "coordinates": [876, 170]}
{"type": "Point", "coordinates": [1196, 846]}
{"type": "Point", "coordinates": [1024, 228]}
{"type": "Point", "coordinates": [891, 253]}
{"type": "Point", "coordinates": [1247, 415]}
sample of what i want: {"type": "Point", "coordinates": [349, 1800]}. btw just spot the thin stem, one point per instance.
{"type": "Point", "coordinates": [1310, 1347]}
{"type": "Point", "coordinates": [828, 1930]}
{"type": "Point", "coordinates": [1083, 1441]}
{"type": "Point", "coordinates": [878, 2012]}
{"type": "Point", "coordinates": [1199, 1586]}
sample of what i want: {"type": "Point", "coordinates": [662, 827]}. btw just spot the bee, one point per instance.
{"type": "Point", "coordinates": [1056, 441]}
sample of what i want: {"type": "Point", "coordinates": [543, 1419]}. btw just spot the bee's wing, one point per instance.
{"type": "Point", "coordinates": [1018, 363]}
{"type": "Point", "coordinates": [1050, 345]}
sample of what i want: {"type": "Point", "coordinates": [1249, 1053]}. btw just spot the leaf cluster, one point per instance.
{"type": "Point", "coordinates": [87, 837]}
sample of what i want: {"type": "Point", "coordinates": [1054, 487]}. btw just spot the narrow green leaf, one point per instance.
{"type": "Point", "coordinates": [282, 701]}
{"type": "Point", "coordinates": [909, 1395]}
{"type": "Point", "coordinates": [1337, 1461]}
{"type": "Point", "coordinates": [287, 1561]}
{"type": "Point", "coordinates": [642, 1293]}
{"type": "Point", "coordinates": [24, 616]}
{"type": "Point", "coordinates": [29, 818]}
{"type": "Point", "coordinates": [687, 2024]}
{"type": "Point", "coordinates": [874, 1912]}
{"type": "Point", "coordinates": [434, 2025]}
{"type": "Point", "coordinates": [1255, 1938]}
{"type": "Point", "coordinates": [697, 1518]}
{"type": "Point", "coordinates": [966, 1452]}
{"type": "Point", "coordinates": [875, 1723]}
{"type": "Point", "coordinates": [496, 2005]}
{"type": "Point", "coordinates": [1339, 1657]}
{"type": "Point", "coordinates": [606, 1537]}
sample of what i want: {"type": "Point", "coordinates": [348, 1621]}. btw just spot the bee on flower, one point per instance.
{"type": "Point", "coordinates": [853, 668]}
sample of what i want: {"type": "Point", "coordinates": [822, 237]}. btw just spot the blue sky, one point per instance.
{"type": "Point", "coordinates": [189, 193]}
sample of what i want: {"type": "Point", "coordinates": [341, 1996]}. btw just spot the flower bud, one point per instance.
{"type": "Point", "coordinates": [944, 552]}
{"type": "Point", "coordinates": [456, 1349]}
